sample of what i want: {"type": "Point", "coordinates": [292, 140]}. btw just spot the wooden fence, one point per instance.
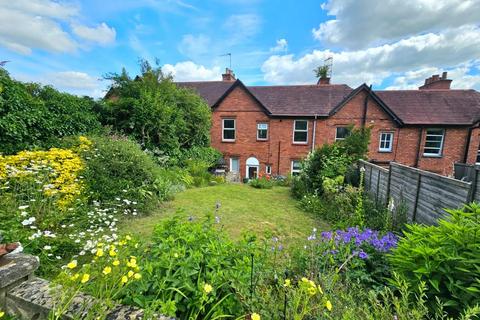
{"type": "Point", "coordinates": [423, 194]}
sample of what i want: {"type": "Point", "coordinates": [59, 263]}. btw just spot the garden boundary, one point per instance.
{"type": "Point", "coordinates": [424, 195]}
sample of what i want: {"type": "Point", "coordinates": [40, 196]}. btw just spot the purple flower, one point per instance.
{"type": "Point", "coordinates": [362, 255]}
{"type": "Point", "coordinates": [327, 235]}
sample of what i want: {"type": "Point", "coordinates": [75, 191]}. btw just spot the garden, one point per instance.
{"type": "Point", "coordinates": [116, 199]}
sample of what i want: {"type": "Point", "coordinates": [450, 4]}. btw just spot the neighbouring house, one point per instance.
{"type": "Point", "coordinates": [270, 129]}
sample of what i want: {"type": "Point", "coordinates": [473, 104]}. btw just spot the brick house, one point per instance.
{"type": "Point", "coordinates": [270, 129]}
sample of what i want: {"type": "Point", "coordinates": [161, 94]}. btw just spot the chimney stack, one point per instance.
{"type": "Point", "coordinates": [437, 82]}
{"type": "Point", "coordinates": [323, 81]}
{"type": "Point", "coordinates": [228, 75]}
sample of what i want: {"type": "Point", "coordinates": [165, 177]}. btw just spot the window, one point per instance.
{"type": "Point", "coordinates": [262, 131]}
{"type": "Point", "coordinates": [234, 165]}
{"type": "Point", "coordinates": [478, 156]}
{"type": "Point", "coordinates": [342, 133]}
{"type": "Point", "coordinates": [300, 131]}
{"type": "Point", "coordinates": [228, 130]}
{"type": "Point", "coordinates": [386, 141]}
{"type": "Point", "coordinates": [295, 167]}
{"type": "Point", "coordinates": [268, 169]}
{"type": "Point", "coordinates": [434, 142]}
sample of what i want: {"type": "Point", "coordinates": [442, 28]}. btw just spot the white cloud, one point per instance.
{"type": "Point", "coordinates": [72, 80]}
{"type": "Point", "coordinates": [101, 34]}
{"type": "Point", "coordinates": [372, 65]}
{"type": "Point", "coordinates": [40, 24]}
{"type": "Point", "coordinates": [194, 46]}
{"type": "Point", "coordinates": [242, 27]}
{"type": "Point", "coordinates": [282, 46]}
{"type": "Point", "coordinates": [189, 71]}
{"type": "Point", "coordinates": [358, 24]}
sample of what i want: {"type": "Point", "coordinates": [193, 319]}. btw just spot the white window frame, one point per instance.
{"type": "Point", "coordinates": [231, 164]}
{"type": "Point", "coordinates": [230, 129]}
{"type": "Point", "coordinates": [440, 150]}
{"type": "Point", "coordinates": [478, 156]}
{"type": "Point", "coordinates": [258, 129]}
{"type": "Point", "coordinates": [389, 149]}
{"type": "Point", "coordinates": [303, 130]}
{"type": "Point", "coordinates": [292, 171]}
{"type": "Point", "coordinates": [268, 169]}
{"type": "Point", "coordinates": [336, 133]}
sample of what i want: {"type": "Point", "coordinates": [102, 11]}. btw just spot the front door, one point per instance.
{"type": "Point", "coordinates": [252, 172]}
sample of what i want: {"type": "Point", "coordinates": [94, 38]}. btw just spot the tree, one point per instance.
{"type": "Point", "coordinates": [321, 72]}
{"type": "Point", "coordinates": [154, 111]}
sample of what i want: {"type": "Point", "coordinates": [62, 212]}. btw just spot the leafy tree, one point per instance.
{"type": "Point", "coordinates": [154, 111]}
{"type": "Point", "coordinates": [35, 116]}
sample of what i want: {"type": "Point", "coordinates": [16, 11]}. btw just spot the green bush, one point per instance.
{"type": "Point", "coordinates": [192, 271]}
{"type": "Point", "coordinates": [118, 168]}
{"type": "Point", "coordinates": [208, 155]}
{"type": "Point", "coordinates": [445, 257]}
{"type": "Point", "coordinates": [198, 170]}
{"type": "Point", "coordinates": [32, 116]}
{"type": "Point", "coordinates": [160, 116]}
{"type": "Point", "coordinates": [261, 183]}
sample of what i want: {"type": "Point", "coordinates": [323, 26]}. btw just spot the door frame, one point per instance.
{"type": "Point", "coordinates": [247, 175]}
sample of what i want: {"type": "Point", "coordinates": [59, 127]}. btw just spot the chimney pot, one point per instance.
{"type": "Point", "coordinates": [444, 75]}
{"type": "Point", "coordinates": [228, 75]}
{"type": "Point", "coordinates": [437, 82]}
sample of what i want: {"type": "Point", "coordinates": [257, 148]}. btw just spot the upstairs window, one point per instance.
{"type": "Point", "coordinates": [262, 131]}
{"type": "Point", "coordinates": [342, 133]}
{"type": "Point", "coordinates": [228, 129]}
{"type": "Point", "coordinates": [296, 167]}
{"type": "Point", "coordinates": [300, 131]}
{"type": "Point", "coordinates": [386, 141]}
{"type": "Point", "coordinates": [434, 142]}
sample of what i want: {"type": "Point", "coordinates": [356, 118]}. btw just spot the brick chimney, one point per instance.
{"type": "Point", "coordinates": [437, 82]}
{"type": "Point", "coordinates": [228, 75]}
{"type": "Point", "coordinates": [323, 81]}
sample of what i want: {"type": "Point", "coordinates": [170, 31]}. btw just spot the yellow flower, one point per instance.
{"type": "Point", "coordinates": [312, 291]}
{"type": "Point", "coordinates": [304, 280]}
{"type": "Point", "coordinates": [74, 277]}
{"type": "Point", "coordinates": [85, 278]}
{"type": "Point", "coordinates": [2, 314]}
{"type": "Point", "coordinates": [207, 288]}
{"type": "Point", "coordinates": [124, 279]}
{"type": "Point", "coordinates": [137, 276]}
{"type": "Point", "coordinates": [320, 289]}
{"type": "Point", "coordinates": [112, 253]}
{"type": "Point", "coordinates": [128, 238]}
{"type": "Point", "coordinates": [328, 304]}
{"type": "Point", "coordinates": [107, 270]}
{"type": "Point", "coordinates": [312, 284]}
{"type": "Point", "coordinates": [116, 262]}
{"type": "Point", "coordinates": [130, 273]}
{"type": "Point", "coordinates": [255, 316]}
{"type": "Point", "coordinates": [287, 283]}
{"type": "Point", "coordinates": [99, 253]}
{"type": "Point", "coordinates": [132, 263]}
{"type": "Point", "coordinates": [72, 264]}
{"type": "Point", "coordinates": [175, 255]}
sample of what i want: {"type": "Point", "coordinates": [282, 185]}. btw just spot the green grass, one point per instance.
{"type": "Point", "coordinates": [266, 212]}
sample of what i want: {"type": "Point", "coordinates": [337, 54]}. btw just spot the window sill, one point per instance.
{"type": "Point", "coordinates": [300, 143]}
{"type": "Point", "coordinates": [384, 151]}
{"type": "Point", "coordinates": [228, 141]}
{"type": "Point", "coordinates": [262, 140]}
{"type": "Point", "coordinates": [432, 155]}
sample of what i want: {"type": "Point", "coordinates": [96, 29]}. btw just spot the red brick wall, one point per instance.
{"type": "Point", "coordinates": [279, 150]}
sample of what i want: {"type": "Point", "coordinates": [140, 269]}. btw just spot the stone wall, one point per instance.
{"type": "Point", "coordinates": [26, 297]}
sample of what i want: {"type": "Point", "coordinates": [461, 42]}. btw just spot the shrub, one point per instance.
{"type": "Point", "coordinates": [445, 257]}
{"type": "Point", "coordinates": [208, 155]}
{"type": "Point", "coordinates": [198, 170]}
{"type": "Point", "coordinates": [32, 116]}
{"type": "Point", "coordinates": [117, 167]}
{"type": "Point", "coordinates": [192, 271]}
{"type": "Point", "coordinates": [262, 182]}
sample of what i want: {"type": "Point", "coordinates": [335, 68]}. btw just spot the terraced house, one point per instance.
{"type": "Point", "coordinates": [269, 129]}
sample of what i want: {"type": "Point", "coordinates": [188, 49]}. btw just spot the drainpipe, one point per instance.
{"type": "Point", "coordinates": [314, 131]}
{"type": "Point", "coordinates": [365, 106]}
{"type": "Point", "coordinates": [467, 145]}
{"type": "Point", "coordinates": [417, 158]}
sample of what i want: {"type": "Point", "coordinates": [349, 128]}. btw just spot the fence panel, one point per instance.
{"type": "Point", "coordinates": [423, 194]}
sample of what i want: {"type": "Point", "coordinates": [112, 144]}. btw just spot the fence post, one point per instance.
{"type": "Point", "coordinates": [388, 183]}
{"type": "Point", "coordinates": [378, 186]}
{"type": "Point", "coordinates": [473, 187]}
{"type": "Point", "coordinates": [370, 179]}
{"type": "Point", "coordinates": [414, 216]}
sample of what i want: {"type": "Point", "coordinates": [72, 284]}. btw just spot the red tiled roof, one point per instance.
{"type": "Point", "coordinates": [450, 107]}
{"type": "Point", "coordinates": [301, 99]}
{"type": "Point", "coordinates": [211, 91]}
{"type": "Point", "coordinates": [429, 107]}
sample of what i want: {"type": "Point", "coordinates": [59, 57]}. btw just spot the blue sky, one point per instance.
{"type": "Point", "coordinates": [71, 44]}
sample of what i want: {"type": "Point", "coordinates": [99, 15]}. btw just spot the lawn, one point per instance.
{"type": "Point", "coordinates": [266, 212]}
